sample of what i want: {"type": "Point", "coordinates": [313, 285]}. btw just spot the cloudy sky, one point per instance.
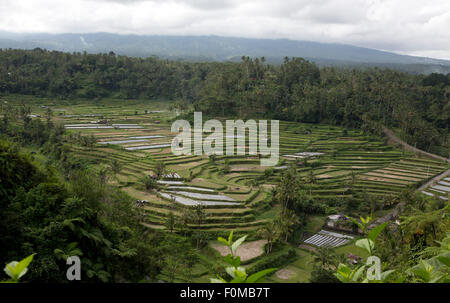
{"type": "Point", "coordinates": [414, 27]}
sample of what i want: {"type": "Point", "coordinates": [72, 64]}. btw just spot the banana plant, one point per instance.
{"type": "Point", "coordinates": [238, 273]}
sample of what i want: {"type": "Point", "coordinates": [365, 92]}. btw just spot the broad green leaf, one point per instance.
{"type": "Point", "coordinates": [222, 240]}
{"type": "Point", "coordinates": [231, 271]}
{"type": "Point", "coordinates": [344, 269]}
{"type": "Point", "coordinates": [236, 244]}
{"type": "Point", "coordinates": [362, 220]}
{"type": "Point", "coordinates": [421, 273]}
{"type": "Point", "coordinates": [234, 261]}
{"type": "Point", "coordinates": [343, 273]}
{"type": "Point", "coordinates": [230, 237]}
{"type": "Point", "coordinates": [373, 233]}
{"type": "Point", "coordinates": [367, 244]}
{"type": "Point", "coordinates": [219, 280]}
{"type": "Point", "coordinates": [401, 279]}
{"type": "Point", "coordinates": [237, 280]}
{"type": "Point", "coordinates": [259, 275]}
{"type": "Point", "coordinates": [71, 246]}
{"type": "Point", "coordinates": [386, 273]}
{"type": "Point", "coordinates": [357, 273]}
{"type": "Point", "coordinates": [445, 260]}
{"type": "Point", "coordinates": [240, 273]}
{"type": "Point", "coordinates": [357, 223]}
{"type": "Point", "coordinates": [423, 270]}
{"type": "Point", "coordinates": [436, 277]}
{"type": "Point", "coordinates": [18, 269]}
{"type": "Point", "coordinates": [342, 278]}
{"type": "Point", "coordinates": [9, 269]}
{"type": "Point", "coordinates": [58, 251]}
{"type": "Point", "coordinates": [228, 259]}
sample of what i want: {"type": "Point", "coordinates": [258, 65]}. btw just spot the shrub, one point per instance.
{"type": "Point", "coordinates": [149, 183]}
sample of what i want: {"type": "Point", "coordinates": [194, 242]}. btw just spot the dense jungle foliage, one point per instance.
{"type": "Point", "coordinates": [297, 90]}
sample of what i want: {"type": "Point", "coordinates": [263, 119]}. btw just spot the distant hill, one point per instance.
{"type": "Point", "coordinates": [214, 48]}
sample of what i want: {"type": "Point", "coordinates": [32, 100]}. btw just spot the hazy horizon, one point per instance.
{"type": "Point", "coordinates": [214, 35]}
{"type": "Point", "coordinates": [410, 28]}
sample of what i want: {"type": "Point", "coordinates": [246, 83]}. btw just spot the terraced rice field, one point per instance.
{"type": "Point", "coordinates": [440, 189]}
{"type": "Point", "coordinates": [335, 165]}
{"type": "Point", "coordinates": [342, 163]}
{"type": "Point", "coordinates": [328, 239]}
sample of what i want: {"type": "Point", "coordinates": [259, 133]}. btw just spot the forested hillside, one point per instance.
{"type": "Point", "coordinates": [217, 48]}
{"type": "Point", "coordinates": [297, 90]}
{"type": "Point", "coordinates": [56, 208]}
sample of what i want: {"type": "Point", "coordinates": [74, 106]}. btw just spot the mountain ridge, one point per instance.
{"type": "Point", "coordinates": [219, 48]}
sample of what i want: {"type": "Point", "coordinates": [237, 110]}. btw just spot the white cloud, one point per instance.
{"type": "Point", "coordinates": [410, 27]}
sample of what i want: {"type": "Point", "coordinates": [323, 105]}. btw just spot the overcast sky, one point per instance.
{"type": "Point", "coordinates": [414, 27]}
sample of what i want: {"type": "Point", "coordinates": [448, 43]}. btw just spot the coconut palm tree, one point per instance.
{"type": "Point", "coordinates": [286, 223]}
{"type": "Point", "coordinates": [170, 223]}
{"type": "Point", "coordinates": [270, 232]}
{"type": "Point", "coordinates": [160, 169]}
{"type": "Point", "coordinates": [103, 175]}
{"type": "Point", "coordinates": [287, 191]}
{"type": "Point", "coordinates": [185, 218]}
{"type": "Point", "coordinates": [326, 257]}
{"type": "Point", "coordinates": [116, 167]}
{"type": "Point", "coordinates": [311, 179]}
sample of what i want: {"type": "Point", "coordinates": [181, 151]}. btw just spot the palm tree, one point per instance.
{"type": "Point", "coordinates": [287, 190]}
{"type": "Point", "coordinates": [311, 179]}
{"type": "Point", "coordinates": [185, 218]}
{"type": "Point", "coordinates": [160, 169]}
{"type": "Point", "coordinates": [174, 266]}
{"type": "Point", "coordinates": [116, 167]}
{"type": "Point", "coordinates": [198, 215]}
{"type": "Point", "coordinates": [90, 141]}
{"type": "Point", "coordinates": [103, 175]}
{"type": "Point", "coordinates": [270, 233]}
{"type": "Point", "coordinates": [353, 176]}
{"type": "Point", "coordinates": [351, 182]}
{"type": "Point", "coordinates": [324, 256]}
{"type": "Point", "coordinates": [286, 223]}
{"type": "Point", "coordinates": [170, 223]}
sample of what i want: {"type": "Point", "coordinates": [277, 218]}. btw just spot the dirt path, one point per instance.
{"type": "Point", "coordinates": [408, 147]}
{"type": "Point", "coordinates": [284, 273]}
{"type": "Point", "coordinates": [246, 251]}
{"type": "Point", "coordinates": [394, 214]}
